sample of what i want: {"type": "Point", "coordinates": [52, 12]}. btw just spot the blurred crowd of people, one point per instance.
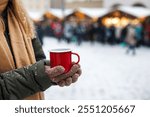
{"type": "Point", "coordinates": [73, 31]}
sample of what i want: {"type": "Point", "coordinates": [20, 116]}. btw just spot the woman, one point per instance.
{"type": "Point", "coordinates": [23, 70]}
{"type": "Point", "coordinates": [130, 39]}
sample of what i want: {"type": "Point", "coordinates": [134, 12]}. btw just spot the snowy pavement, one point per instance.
{"type": "Point", "coordinates": [108, 73]}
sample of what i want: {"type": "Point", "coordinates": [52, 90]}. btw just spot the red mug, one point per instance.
{"type": "Point", "coordinates": [62, 57]}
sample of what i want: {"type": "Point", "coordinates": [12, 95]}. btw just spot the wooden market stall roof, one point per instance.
{"type": "Point", "coordinates": [58, 13]}
{"type": "Point", "coordinates": [138, 12]}
{"type": "Point", "coordinates": [79, 15]}
{"type": "Point", "coordinates": [94, 12]}
{"type": "Point", "coordinates": [91, 13]}
{"type": "Point", "coordinates": [128, 11]}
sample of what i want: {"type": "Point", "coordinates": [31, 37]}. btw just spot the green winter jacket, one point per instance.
{"type": "Point", "coordinates": [26, 81]}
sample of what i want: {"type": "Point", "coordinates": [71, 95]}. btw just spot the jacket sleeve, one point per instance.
{"type": "Point", "coordinates": [38, 51]}
{"type": "Point", "coordinates": [23, 82]}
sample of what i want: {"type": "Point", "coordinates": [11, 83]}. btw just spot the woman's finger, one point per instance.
{"type": "Point", "coordinates": [61, 83]}
{"type": "Point", "coordinates": [68, 81]}
{"type": "Point", "coordinates": [75, 78]}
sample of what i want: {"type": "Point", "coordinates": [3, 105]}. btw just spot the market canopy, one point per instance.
{"type": "Point", "coordinates": [81, 13]}
{"type": "Point", "coordinates": [88, 13]}
{"type": "Point", "coordinates": [78, 15]}
{"type": "Point", "coordinates": [94, 12]}
{"type": "Point", "coordinates": [123, 15]}
{"type": "Point", "coordinates": [129, 11]}
{"type": "Point", "coordinates": [138, 12]}
{"type": "Point", "coordinates": [58, 13]}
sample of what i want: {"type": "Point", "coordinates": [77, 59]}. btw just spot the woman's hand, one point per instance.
{"type": "Point", "coordinates": [56, 74]}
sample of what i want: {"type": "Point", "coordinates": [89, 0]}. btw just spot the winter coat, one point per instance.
{"type": "Point", "coordinates": [68, 30]}
{"type": "Point", "coordinates": [23, 82]}
{"type": "Point", "coordinates": [138, 32]}
{"type": "Point", "coordinates": [130, 39]}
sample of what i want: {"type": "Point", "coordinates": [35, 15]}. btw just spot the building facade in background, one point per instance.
{"type": "Point", "coordinates": [76, 3]}
{"type": "Point", "coordinates": [43, 5]}
{"type": "Point", "coordinates": [58, 4]}
{"type": "Point", "coordinates": [110, 3]}
{"type": "Point", "coordinates": [84, 3]}
{"type": "Point", "coordinates": [36, 5]}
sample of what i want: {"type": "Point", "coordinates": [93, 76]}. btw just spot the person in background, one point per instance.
{"type": "Point", "coordinates": [68, 31]}
{"type": "Point", "coordinates": [118, 35]}
{"type": "Point", "coordinates": [40, 31]}
{"type": "Point", "coordinates": [112, 38]}
{"type": "Point", "coordinates": [111, 34]}
{"type": "Point", "coordinates": [147, 34]}
{"type": "Point", "coordinates": [80, 32]}
{"type": "Point", "coordinates": [123, 33]}
{"type": "Point", "coordinates": [101, 33]}
{"type": "Point", "coordinates": [57, 29]}
{"type": "Point", "coordinates": [90, 32]}
{"type": "Point", "coordinates": [130, 39]}
{"type": "Point", "coordinates": [24, 72]}
{"type": "Point", "coordinates": [139, 34]}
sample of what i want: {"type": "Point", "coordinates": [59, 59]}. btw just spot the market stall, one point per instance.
{"type": "Point", "coordinates": [57, 13]}
{"type": "Point", "coordinates": [124, 15]}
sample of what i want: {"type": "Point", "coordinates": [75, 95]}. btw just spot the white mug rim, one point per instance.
{"type": "Point", "coordinates": [60, 50]}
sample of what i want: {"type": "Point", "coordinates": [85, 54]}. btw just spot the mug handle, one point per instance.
{"type": "Point", "coordinates": [77, 56]}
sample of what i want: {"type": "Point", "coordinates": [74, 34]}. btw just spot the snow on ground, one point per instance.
{"type": "Point", "coordinates": [108, 73]}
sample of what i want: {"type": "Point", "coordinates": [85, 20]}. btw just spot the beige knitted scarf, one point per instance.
{"type": "Point", "coordinates": [21, 33]}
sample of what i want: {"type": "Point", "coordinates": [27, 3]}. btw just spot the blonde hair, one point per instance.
{"type": "Point", "coordinates": [19, 11]}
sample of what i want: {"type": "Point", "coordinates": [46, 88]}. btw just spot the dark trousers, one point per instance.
{"type": "Point", "coordinates": [131, 48]}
